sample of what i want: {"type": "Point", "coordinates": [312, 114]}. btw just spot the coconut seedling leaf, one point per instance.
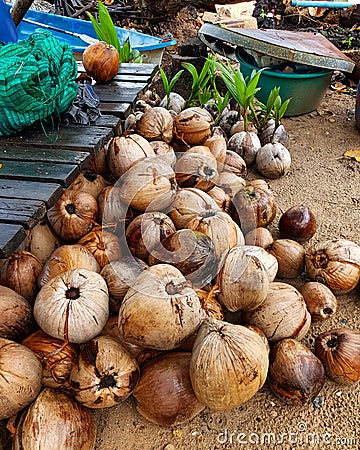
{"type": "Point", "coordinates": [354, 154]}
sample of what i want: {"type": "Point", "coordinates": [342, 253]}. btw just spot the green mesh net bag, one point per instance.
{"type": "Point", "coordinates": [37, 81]}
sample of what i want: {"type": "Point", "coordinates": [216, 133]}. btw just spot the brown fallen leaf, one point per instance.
{"type": "Point", "coordinates": [338, 87]}
{"type": "Point", "coordinates": [354, 154]}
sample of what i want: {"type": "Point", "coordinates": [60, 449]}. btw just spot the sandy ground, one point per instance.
{"type": "Point", "coordinates": [329, 184]}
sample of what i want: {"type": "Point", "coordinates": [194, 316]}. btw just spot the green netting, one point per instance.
{"type": "Point", "coordinates": [37, 81]}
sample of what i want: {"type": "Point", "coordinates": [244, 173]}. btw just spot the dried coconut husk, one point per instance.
{"type": "Point", "coordinates": [229, 364]}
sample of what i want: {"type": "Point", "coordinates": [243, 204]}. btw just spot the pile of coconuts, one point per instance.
{"type": "Point", "coordinates": [155, 275]}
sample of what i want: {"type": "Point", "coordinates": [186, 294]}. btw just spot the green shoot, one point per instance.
{"type": "Point", "coordinates": [127, 54]}
{"type": "Point", "coordinates": [348, 42]}
{"type": "Point", "coordinates": [200, 87]}
{"type": "Point", "coordinates": [274, 109]}
{"type": "Point", "coordinates": [220, 103]}
{"type": "Point", "coordinates": [242, 90]}
{"type": "Point", "coordinates": [105, 31]}
{"type": "Point", "coordinates": [279, 109]}
{"type": "Point", "coordinates": [168, 85]}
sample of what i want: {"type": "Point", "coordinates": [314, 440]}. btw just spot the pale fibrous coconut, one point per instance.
{"type": "Point", "coordinates": [73, 306]}
{"type": "Point", "coordinates": [73, 215]}
{"type": "Point", "coordinates": [243, 280]}
{"type": "Point", "coordinates": [193, 125]}
{"type": "Point", "coordinates": [283, 313]}
{"type": "Point", "coordinates": [187, 203]}
{"type": "Point", "coordinates": [148, 185]}
{"type": "Point", "coordinates": [124, 151]}
{"type": "Point", "coordinates": [89, 182]}
{"type": "Point", "coordinates": [104, 374]}
{"type": "Point", "coordinates": [147, 231]}
{"type": "Point", "coordinates": [55, 421]}
{"type": "Point", "coordinates": [220, 228]}
{"type": "Point", "coordinates": [273, 160]}
{"type": "Point", "coordinates": [174, 102]}
{"type": "Point", "coordinates": [160, 310]}
{"type": "Point", "coordinates": [41, 241]}
{"type": "Point", "coordinates": [196, 168]}
{"type": "Point", "coordinates": [246, 144]}
{"type": "Point", "coordinates": [119, 276]}
{"type": "Point", "coordinates": [229, 364]}
{"type": "Point", "coordinates": [165, 152]}
{"type": "Point", "coordinates": [217, 146]}
{"type": "Point", "coordinates": [274, 134]}
{"type": "Point", "coordinates": [16, 321]}
{"type": "Point", "coordinates": [20, 377]}
{"type": "Point", "coordinates": [67, 257]}
{"type": "Point", "coordinates": [156, 124]}
{"type": "Point", "coordinates": [103, 245]}
{"type": "Point", "coordinates": [20, 271]}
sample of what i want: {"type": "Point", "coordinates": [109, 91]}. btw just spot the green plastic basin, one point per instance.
{"type": "Point", "coordinates": [306, 89]}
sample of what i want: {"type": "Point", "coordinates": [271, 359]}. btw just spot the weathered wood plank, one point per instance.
{"type": "Point", "coordinates": [130, 69]}
{"type": "Point", "coordinates": [108, 120]}
{"type": "Point", "coordinates": [46, 192]}
{"type": "Point", "coordinates": [122, 110]}
{"type": "Point", "coordinates": [11, 236]}
{"type": "Point", "coordinates": [142, 69]}
{"type": "Point", "coordinates": [118, 96]}
{"type": "Point", "coordinates": [63, 174]}
{"type": "Point", "coordinates": [118, 86]}
{"type": "Point", "coordinates": [48, 155]}
{"type": "Point", "coordinates": [81, 138]}
{"type": "Point", "coordinates": [21, 211]}
{"type": "Point", "coordinates": [137, 78]}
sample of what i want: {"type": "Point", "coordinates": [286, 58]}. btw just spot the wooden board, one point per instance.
{"type": "Point", "coordinates": [135, 79]}
{"type": "Point", "coordinates": [20, 211]}
{"type": "Point", "coordinates": [73, 137]}
{"type": "Point", "coordinates": [122, 110]}
{"type": "Point", "coordinates": [118, 86]}
{"type": "Point", "coordinates": [135, 69]}
{"type": "Point", "coordinates": [11, 236]}
{"type": "Point", "coordinates": [63, 174]}
{"type": "Point", "coordinates": [121, 95]}
{"type": "Point", "coordinates": [130, 69]}
{"type": "Point", "coordinates": [42, 154]}
{"type": "Point", "coordinates": [46, 192]}
{"type": "Point", "coordinates": [108, 120]}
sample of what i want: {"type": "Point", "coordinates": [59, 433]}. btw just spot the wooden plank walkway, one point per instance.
{"type": "Point", "coordinates": [36, 166]}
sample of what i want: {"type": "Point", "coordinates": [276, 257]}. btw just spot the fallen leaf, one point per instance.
{"type": "Point", "coordinates": [338, 87]}
{"type": "Point", "coordinates": [177, 433]}
{"type": "Point", "coordinates": [354, 154]}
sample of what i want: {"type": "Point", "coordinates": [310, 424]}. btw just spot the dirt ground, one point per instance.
{"type": "Point", "coordinates": [327, 182]}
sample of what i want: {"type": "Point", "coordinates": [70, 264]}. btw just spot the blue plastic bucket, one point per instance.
{"type": "Point", "coordinates": [305, 89]}
{"type": "Point", "coordinates": [8, 31]}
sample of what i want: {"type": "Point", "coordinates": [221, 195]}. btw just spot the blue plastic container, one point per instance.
{"type": "Point", "coordinates": [139, 41]}
{"type": "Point", "coordinates": [8, 31]}
{"type": "Point", "coordinates": [306, 90]}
